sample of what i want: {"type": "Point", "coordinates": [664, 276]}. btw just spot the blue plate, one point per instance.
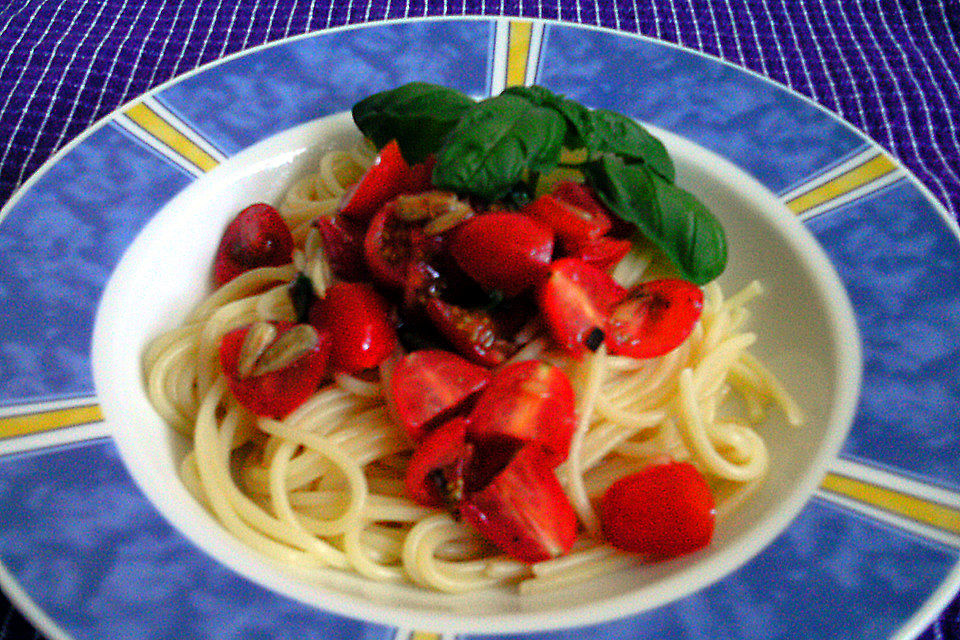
{"type": "Point", "coordinates": [874, 554]}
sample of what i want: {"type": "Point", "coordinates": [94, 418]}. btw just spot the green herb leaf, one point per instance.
{"type": "Point", "coordinates": [616, 133]}
{"type": "Point", "coordinates": [496, 144]}
{"type": "Point", "coordinates": [418, 115]}
{"type": "Point", "coordinates": [673, 219]}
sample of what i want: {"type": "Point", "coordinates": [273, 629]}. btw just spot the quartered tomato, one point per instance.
{"type": "Point", "coordinates": [435, 473]}
{"type": "Point", "coordinates": [529, 401]}
{"type": "Point", "coordinates": [575, 303]}
{"type": "Point", "coordinates": [343, 244]}
{"type": "Point", "coordinates": [426, 387]}
{"type": "Point", "coordinates": [472, 332]}
{"type": "Point", "coordinates": [604, 252]}
{"type": "Point", "coordinates": [392, 245]}
{"type": "Point", "coordinates": [573, 214]}
{"type": "Point", "coordinates": [520, 506]}
{"type": "Point", "coordinates": [507, 252]}
{"type": "Point", "coordinates": [256, 237]}
{"type": "Point", "coordinates": [387, 177]}
{"type": "Point", "coordinates": [273, 367]}
{"type": "Point", "coordinates": [358, 320]}
{"type": "Point", "coordinates": [665, 510]}
{"type": "Point", "coordinates": [654, 318]}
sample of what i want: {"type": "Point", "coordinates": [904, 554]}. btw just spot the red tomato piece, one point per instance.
{"type": "Point", "coordinates": [276, 392]}
{"type": "Point", "coordinates": [573, 214]}
{"type": "Point", "coordinates": [654, 318]}
{"type": "Point", "coordinates": [665, 510]}
{"type": "Point", "coordinates": [522, 509]}
{"type": "Point", "coordinates": [435, 473]}
{"type": "Point", "coordinates": [473, 333]}
{"type": "Point", "coordinates": [508, 252]}
{"type": "Point", "coordinates": [575, 303]}
{"type": "Point", "coordinates": [387, 177]}
{"type": "Point", "coordinates": [392, 245]}
{"type": "Point", "coordinates": [529, 401]}
{"type": "Point", "coordinates": [343, 244]}
{"type": "Point", "coordinates": [426, 387]}
{"type": "Point", "coordinates": [603, 253]}
{"type": "Point", "coordinates": [358, 321]}
{"type": "Point", "coordinates": [256, 237]}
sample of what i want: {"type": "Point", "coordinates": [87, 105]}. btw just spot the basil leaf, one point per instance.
{"type": "Point", "coordinates": [496, 144]}
{"type": "Point", "coordinates": [616, 133]}
{"type": "Point", "coordinates": [535, 94]}
{"type": "Point", "coordinates": [673, 219]}
{"type": "Point", "coordinates": [418, 115]}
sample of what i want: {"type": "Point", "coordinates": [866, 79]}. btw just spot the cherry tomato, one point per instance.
{"type": "Point", "coordinates": [529, 401]}
{"type": "Point", "coordinates": [604, 253]}
{"type": "Point", "coordinates": [472, 332]}
{"type": "Point", "coordinates": [256, 237]}
{"type": "Point", "coordinates": [387, 177]}
{"type": "Point", "coordinates": [358, 321]}
{"type": "Point", "coordinates": [665, 510]}
{"type": "Point", "coordinates": [522, 509]}
{"type": "Point", "coordinates": [575, 303]}
{"type": "Point", "coordinates": [573, 214]}
{"type": "Point", "coordinates": [508, 252]}
{"type": "Point", "coordinates": [435, 473]}
{"type": "Point", "coordinates": [269, 391]}
{"type": "Point", "coordinates": [654, 318]}
{"type": "Point", "coordinates": [343, 244]}
{"type": "Point", "coordinates": [392, 245]}
{"type": "Point", "coordinates": [426, 387]}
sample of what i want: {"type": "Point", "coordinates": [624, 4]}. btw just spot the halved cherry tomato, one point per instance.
{"type": "Point", "coordinates": [665, 510]}
{"type": "Point", "coordinates": [529, 401]}
{"type": "Point", "coordinates": [575, 303]}
{"type": "Point", "coordinates": [508, 252]}
{"type": "Point", "coordinates": [472, 332]}
{"type": "Point", "coordinates": [603, 253]}
{"type": "Point", "coordinates": [426, 387]}
{"type": "Point", "coordinates": [573, 214]}
{"type": "Point", "coordinates": [275, 392]}
{"type": "Point", "coordinates": [343, 244]}
{"type": "Point", "coordinates": [435, 473]}
{"type": "Point", "coordinates": [391, 245]}
{"type": "Point", "coordinates": [256, 237]}
{"type": "Point", "coordinates": [522, 509]}
{"type": "Point", "coordinates": [654, 318]}
{"type": "Point", "coordinates": [387, 177]}
{"type": "Point", "coordinates": [357, 318]}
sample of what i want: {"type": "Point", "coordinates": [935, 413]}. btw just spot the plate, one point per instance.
{"type": "Point", "coordinates": [88, 551]}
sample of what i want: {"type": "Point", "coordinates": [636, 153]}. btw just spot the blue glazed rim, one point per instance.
{"type": "Point", "coordinates": [843, 188]}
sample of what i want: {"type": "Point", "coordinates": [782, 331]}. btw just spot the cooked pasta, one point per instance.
{"type": "Point", "coordinates": [323, 488]}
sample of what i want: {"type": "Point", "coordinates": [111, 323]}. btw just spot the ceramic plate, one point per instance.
{"type": "Point", "coordinates": [89, 549]}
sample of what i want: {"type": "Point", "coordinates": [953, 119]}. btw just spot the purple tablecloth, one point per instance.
{"type": "Point", "coordinates": [889, 67]}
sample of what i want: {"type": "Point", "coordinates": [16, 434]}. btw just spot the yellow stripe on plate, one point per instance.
{"type": "Point", "coordinates": [172, 137]}
{"type": "Point", "coordinates": [902, 504]}
{"type": "Point", "coordinates": [21, 425]}
{"type": "Point", "coordinates": [859, 176]}
{"type": "Point", "coordinates": [424, 635]}
{"type": "Point", "coordinates": [518, 52]}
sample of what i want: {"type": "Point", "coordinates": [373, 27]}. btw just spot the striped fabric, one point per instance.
{"type": "Point", "coordinates": [891, 68]}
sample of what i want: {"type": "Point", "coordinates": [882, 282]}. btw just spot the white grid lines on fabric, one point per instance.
{"type": "Point", "coordinates": [736, 33]}
{"type": "Point", "coordinates": [756, 36]}
{"type": "Point", "coordinates": [656, 19]}
{"type": "Point", "coordinates": [914, 145]}
{"type": "Point", "coordinates": [948, 68]}
{"type": "Point", "coordinates": [926, 107]}
{"type": "Point", "coordinates": [230, 26]}
{"type": "Point", "coordinates": [183, 46]}
{"type": "Point", "coordinates": [716, 31]}
{"type": "Point", "coordinates": [796, 43]}
{"type": "Point", "coordinates": [857, 95]}
{"type": "Point", "coordinates": [33, 92]}
{"type": "Point", "coordinates": [676, 23]}
{"type": "Point", "coordinates": [250, 27]}
{"type": "Point", "coordinates": [208, 38]}
{"type": "Point", "coordinates": [140, 52]}
{"type": "Point", "coordinates": [696, 25]}
{"type": "Point", "coordinates": [166, 43]}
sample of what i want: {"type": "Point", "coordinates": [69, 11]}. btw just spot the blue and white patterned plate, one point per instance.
{"type": "Point", "coordinates": [85, 554]}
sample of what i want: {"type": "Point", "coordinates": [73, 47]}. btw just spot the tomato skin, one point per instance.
{"type": "Point", "coordinates": [508, 252]}
{"type": "Point", "coordinates": [277, 393]}
{"type": "Point", "coordinates": [523, 509]}
{"type": "Point", "coordinates": [343, 244]}
{"type": "Point", "coordinates": [435, 473]}
{"type": "Point", "coordinates": [664, 511]}
{"type": "Point", "coordinates": [529, 401]}
{"type": "Point", "coordinates": [575, 301]}
{"type": "Point", "coordinates": [391, 246]}
{"type": "Point", "coordinates": [654, 318]}
{"type": "Point", "coordinates": [256, 237]}
{"type": "Point", "coordinates": [385, 179]}
{"type": "Point", "coordinates": [604, 253]}
{"type": "Point", "coordinates": [357, 318]}
{"type": "Point", "coordinates": [573, 214]}
{"type": "Point", "coordinates": [426, 387]}
{"type": "Point", "coordinates": [472, 333]}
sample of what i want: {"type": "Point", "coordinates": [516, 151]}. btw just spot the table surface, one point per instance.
{"type": "Point", "coordinates": [889, 68]}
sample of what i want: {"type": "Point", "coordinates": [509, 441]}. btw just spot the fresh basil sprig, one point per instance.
{"type": "Point", "coordinates": [494, 148]}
